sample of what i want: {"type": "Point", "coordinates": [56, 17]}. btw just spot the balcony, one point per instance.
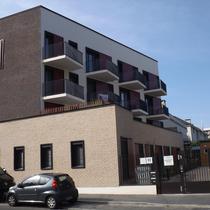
{"type": "Point", "coordinates": [105, 97]}
{"type": "Point", "coordinates": [133, 81]}
{"type": "Point", "coordinates": [139, 108]}
{"type": "Point", "coordinates": [160, 113]}
{"type": "Point", "coordinates": [103, 71]}
{"type": "Point", "coordinates": [156, 88]}
{"type": "Point", "coordinates": [63, 92]}
{"type": "Point", "coordinates": [63, 56]}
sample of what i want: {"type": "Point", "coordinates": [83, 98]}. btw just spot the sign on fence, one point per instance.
{"type": "Point", "coordinates": [146, 160]}
{"type": "Point", "coordinates": [168, 160]}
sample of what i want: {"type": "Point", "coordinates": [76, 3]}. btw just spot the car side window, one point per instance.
{"type": "Point", "coordinates": [43, 180]}
{"type": "Point", "coordinates": [32, 181]}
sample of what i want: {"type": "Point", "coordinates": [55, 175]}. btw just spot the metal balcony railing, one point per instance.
{"type": "Point", "coordinates": [156, 83]}
{"type": "Point", "coordinates": [98, 65]}
{"type": "Point", "coordinates": [140, 104]}
{"type": "Point", "coordinates": [63, 48]}
{"type": "Point", "coordinates": [63, 86]}
{"type": "Point", "coordinates": [160, 110]}
{"type": "Point", "coordinates": [104, 96]}
{"type": "Point", "coordinates": [163, 86]}
{"type": "Point", "coordinates": [135, 75]}
{"type": "Point", "coordinates": [113, 98]}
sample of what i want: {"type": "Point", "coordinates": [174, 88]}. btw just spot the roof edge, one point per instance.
{"type": "Point", "coordinates": [43, 7]}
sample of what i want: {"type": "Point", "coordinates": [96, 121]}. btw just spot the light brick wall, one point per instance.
{"type": "Point", "coordinates": [144, 133]}
{"type": "Point", "coordinates": [100, 128]}
{"type": "Point", "coordinates": [95, 126]}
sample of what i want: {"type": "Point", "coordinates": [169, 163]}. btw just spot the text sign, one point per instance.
{"type": "Point", "coordinates": [168, 160]}
{"type": "Point", "coordinates": [146, 160]}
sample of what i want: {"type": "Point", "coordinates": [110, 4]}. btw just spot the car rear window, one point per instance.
{"type": "Point", "coordinates": [64, 181]}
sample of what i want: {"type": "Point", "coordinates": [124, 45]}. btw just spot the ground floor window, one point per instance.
{"type": "Point", "coordinates": [19, 159]}
{"type": "Point", "coordinates": [77, 154]}
{"type": "Point", "coordinates": [46, 157]}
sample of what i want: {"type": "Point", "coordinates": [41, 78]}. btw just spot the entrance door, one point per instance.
{"type": "Point", "coordinates": [124, 160]}
{"type": "Point", "coordinates": [54, 45]}
{"type": "Point", "coordinates": [169, 177]}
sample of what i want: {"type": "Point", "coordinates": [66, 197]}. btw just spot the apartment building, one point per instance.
{"type": "Point", "coordinates": [190, 132]}
{"type": "Point", "coordinates": [207, 131]}
{"type": "Point", "coordinates": [75, 100]}
{"type": "Point", "coordinates": [177, 124]}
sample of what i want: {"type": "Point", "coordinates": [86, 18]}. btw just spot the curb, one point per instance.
{"type": "Point", "coordinates": [144, 204]}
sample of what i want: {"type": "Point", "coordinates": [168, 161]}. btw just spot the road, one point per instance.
{"type": "Point", "coordinates": [107, 202]}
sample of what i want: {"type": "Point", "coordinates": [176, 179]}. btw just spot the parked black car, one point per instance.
{"type": "Point", "coordinates": [49, 188]}
{"type": "Point", "coordinates": [6, 181]}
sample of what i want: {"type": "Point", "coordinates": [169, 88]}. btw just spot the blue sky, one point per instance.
{"type": "Point", "coordinates": [174, 32]}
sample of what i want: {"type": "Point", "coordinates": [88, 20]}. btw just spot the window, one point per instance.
{"type": "Point", "coordinates": [32, 181]}
{"type": "Point", "coordinates": [77, 154]}
{"type": "Point", "coordinates": [44, 180]}
{"type": "Point", "coordinates": [2, 43]}
{"type": "Point", "coordinates": [73, 44]}
{"type": "Point", "coordinates": [92, 60]}
{"type": "Point", "coordinates": [19, 162]}
{"type": "Point", "coordinates": [46, 157]}
{"type": "Point", "coordinates": [53, 45]}
{"type": "Point", "coordinates": [74, 78]}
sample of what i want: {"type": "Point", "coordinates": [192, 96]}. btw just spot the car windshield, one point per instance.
{"type": "Point", "coordinates": [1, 171]}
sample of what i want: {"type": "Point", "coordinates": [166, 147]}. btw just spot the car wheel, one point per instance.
{"type": "Point", "coordinates": [51, 202]}
{"type": "Point", "coordinates": [12, 200]}
{"type": "Point", "coordinates": [75, 197]}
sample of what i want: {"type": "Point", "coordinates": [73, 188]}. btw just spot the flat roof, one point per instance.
{"type": "Point", "coordinates": [40, 6]}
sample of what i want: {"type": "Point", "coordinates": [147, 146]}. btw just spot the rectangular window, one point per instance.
{"type": "Point", "coordinates": [19, 159]}
{"type": "Point", "coordinates": [73, 44]}
{"type": "Point", "coordinates": [77, 154]}
{"type": "Point", "coordinates": [74, 78]}
{"type": "Point", "coordinates": [46, 157]}
{"type": "Point", "coordinates": [92, 60]}
{"type": "Point", "coordinates": [2, 43]}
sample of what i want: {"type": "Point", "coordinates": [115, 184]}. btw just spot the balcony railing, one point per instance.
{"type": "Point", "coordinates": [106, 96]}
{"type": "Point", "coordinates": [156, 83]}
{"type": "Point", "coordinates": [135, 75]}
{"type": "Point", "coordinates": [140, 104]}
{"type": "Point", "coordinates": [157, 111]}
{"type": "Point", "coordinates": [109, 65]}
{"type": "Point", "coordinates": [113, 98]}
{"type": "Point", "coordinates": [163, 86]}
{"type": "Point", "coordinates": [63, 48]}
{"type": "Point", "coordinates": [55, 87]}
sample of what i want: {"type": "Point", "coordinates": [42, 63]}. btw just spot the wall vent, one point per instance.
{"type": "Point", "coordinates": [2, 46]}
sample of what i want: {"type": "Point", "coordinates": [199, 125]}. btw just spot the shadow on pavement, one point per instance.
{"type": "Point", "coordinates": [88, 204]}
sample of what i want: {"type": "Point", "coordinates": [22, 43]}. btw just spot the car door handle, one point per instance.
{"type": "Point", "coordinates": [35, 189]}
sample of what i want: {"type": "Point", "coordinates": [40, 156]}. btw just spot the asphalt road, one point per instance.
{"type": "Point", "coordinates": [111, 202]}
{"type": "Point", "coordinates": [88, 206]}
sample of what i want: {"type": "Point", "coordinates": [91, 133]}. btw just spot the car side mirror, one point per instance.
{"type": "Point", "coordinates": [20, 185]}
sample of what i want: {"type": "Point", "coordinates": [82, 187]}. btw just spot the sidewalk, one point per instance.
{"type": "Point", "coordinates": [187, 201]}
